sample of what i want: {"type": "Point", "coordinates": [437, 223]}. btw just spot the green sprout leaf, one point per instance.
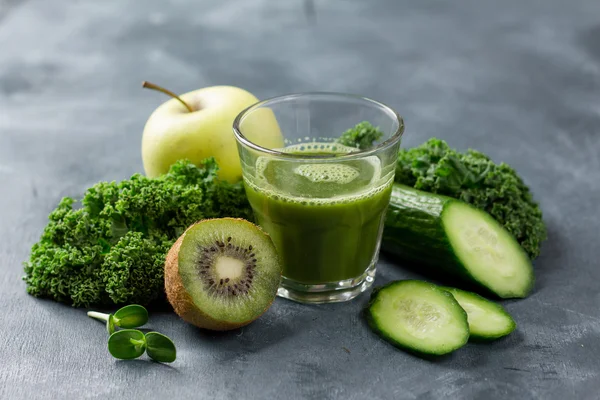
{"type": "Point", "coordinates": [160, 348]}
{"type": "Point", "coordinates": [131, 316]}
{"type": "Point", "coordinates": [127, 344]}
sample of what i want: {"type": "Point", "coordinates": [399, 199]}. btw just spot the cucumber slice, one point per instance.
{"type": "Point", "coordinates": [419, 317]}
{"type": "Point", "coordinates": [451, 236]}
{"type": "Point", "coordinates": [487, 320]}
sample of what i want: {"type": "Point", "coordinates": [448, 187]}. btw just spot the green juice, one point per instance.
{"type": "Point", "coordinates": [324, 218]}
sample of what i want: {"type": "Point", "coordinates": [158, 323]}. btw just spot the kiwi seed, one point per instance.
{"type": "Point", "coordinates": [208, 274]}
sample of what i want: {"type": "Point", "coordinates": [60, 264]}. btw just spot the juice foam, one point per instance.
{"type": "Point", "coordinates": [318, 183]}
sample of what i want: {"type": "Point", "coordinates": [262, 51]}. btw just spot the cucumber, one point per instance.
{"type": "Point", "coordinates": [419, 317]}
{"type": "Point", "coordinates": [451, 236]}
{"type": "Point", "coordinates": [487, 320]}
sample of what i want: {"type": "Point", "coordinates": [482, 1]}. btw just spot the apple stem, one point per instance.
{"type": "Point", "coordinates": [152, 86]}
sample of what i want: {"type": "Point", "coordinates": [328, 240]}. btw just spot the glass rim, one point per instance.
{"type": "Point", "coordinates": [391, 141]}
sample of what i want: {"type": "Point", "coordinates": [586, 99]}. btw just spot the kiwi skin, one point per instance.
{"type": "Point", "coordinates": [182, 302]}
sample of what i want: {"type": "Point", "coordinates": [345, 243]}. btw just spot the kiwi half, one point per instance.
{"type": "Point", "coordinates": [222, 273]}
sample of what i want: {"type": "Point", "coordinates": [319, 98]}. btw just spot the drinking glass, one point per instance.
{"type": "Point", "coordinates": [322, 202]}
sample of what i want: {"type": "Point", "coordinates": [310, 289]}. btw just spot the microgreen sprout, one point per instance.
{"type": "Point", "coordinates": [128, 343]}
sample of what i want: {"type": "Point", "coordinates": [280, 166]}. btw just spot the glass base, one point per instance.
{"type": "Point", "coordinates": [331, 292]}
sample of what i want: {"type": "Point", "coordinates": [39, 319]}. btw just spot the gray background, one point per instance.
{"type": "Point", "coordinates": [516, 79]}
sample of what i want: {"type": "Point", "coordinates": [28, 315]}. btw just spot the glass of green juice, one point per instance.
{"type": "Point", "coordinates": [322, 203]}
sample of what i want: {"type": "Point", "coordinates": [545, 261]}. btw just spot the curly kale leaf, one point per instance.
{"type": "Point", "coordinates": [134, 260]}
{"type": "Point", "coordinates": [474, 178]}
{"type": "Point", "coordinates": [111, 250]}
{"type": "Point", "coordinates": [362, 136]}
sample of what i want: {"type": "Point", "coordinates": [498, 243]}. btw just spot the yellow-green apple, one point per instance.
{"type": "Point", "coordinates": [199, 124]}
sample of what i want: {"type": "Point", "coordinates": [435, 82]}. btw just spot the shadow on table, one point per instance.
{"type": "Point", "coordinates": [475, 354]}
{"type": "Point", "coordinates": [551, 258]}
{"type": "Point", "coordinates": [261, 334]}
{"type": "Point", "coordinates": [145, 364]}
{"type": "Point", "coordinates": [428, 273]}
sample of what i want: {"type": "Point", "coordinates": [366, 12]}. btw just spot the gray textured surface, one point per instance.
{"type": "Point", "coordinates": [519, 80]}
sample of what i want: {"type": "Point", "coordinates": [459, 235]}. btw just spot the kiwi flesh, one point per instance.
{"type": "Point", "coordinates": [222, 274]}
